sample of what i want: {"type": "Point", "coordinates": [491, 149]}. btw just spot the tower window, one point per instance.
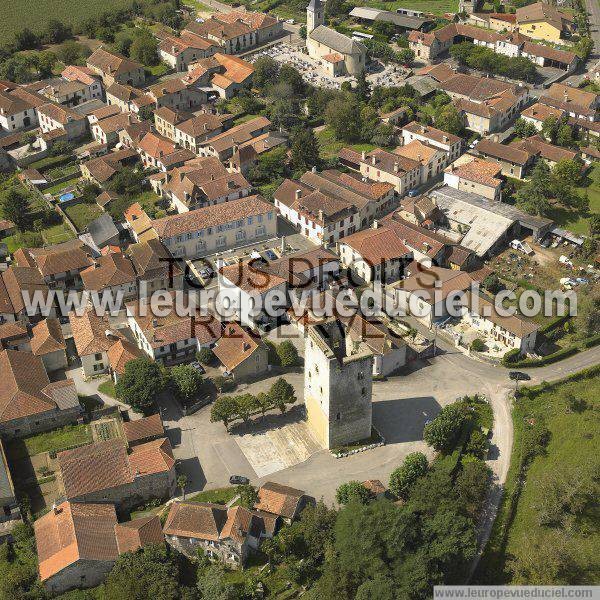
{"type": "Point", "coordinates": [338, 416]}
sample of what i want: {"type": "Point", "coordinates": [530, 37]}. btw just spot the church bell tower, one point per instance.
{"type": "Point", "coordinates": [315, 15]}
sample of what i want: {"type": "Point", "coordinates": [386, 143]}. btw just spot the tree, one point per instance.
{"type": "Point", "coordinates": [492, 283]}
{"type": "Point", "coordinates": [187, 382]}
{"type": "Point", "coordinates": [182, 481]}
{"type": "Point", "coordinates": [212, 584]}
{"type": "Point", "coordinates": [448, 119]}
{"type": "Point", "coordinates": [282, 393]}
{"type": "Point", "coordinates": [369, 121]}
{"type": "Point", "coordinates": [15, 208]}
{"type": "Point", "coordinates": [564, 136]}
{"type": "Point", "coordinates": [140, 384]}
{"type": "Point", "coordinates": [292, 77]}
{"type": "Point", "coordinates": [343, 116]}
{"type": "Point", "coordinates": [442, 433]}
{"type": "Point", "coordinates": [72, 53]}
{"type": "Point", "coordinates": [205, 355]}
{"type": "Point", "coordinates": [288, 354]}
{"type": "Point", "coordinates": [352, 491]}
{"type": "Point", "coordinates": [471, 485]}
{"type": "Point", "coordinates": [594, 224]}
{"type": "Point", "coordinates": [223, 409]}
{"type": "Point", "coordinates": [334, 8]}
{"type": "Point", "coordinates": [381, 587]}
{"type": "Point", "coordinates": [56, 32]}
{"type": "Point", "coordinates": [415, 465]}
{"type": "Point", "coordinates": [587, 321]}
{"type": "Point", "coordinates": [151, 572]}
{"type": "Point", "coordinates": [406, 56]}
{"type": "Point", "coordinates": [25, 39]}
{"type": "Point", "coordinates": [248, 495]}
{"type": "Point", "coordinates": [524, 129]}
{"type": "Point", "coordinates": [550, 126]}
{"type": "Point", "coordinates": [266, 70]}
{"type": "Point", "coordinates": [127, 182]}
{"type": "Point", "coordinates": [44, 62]}
{"type": "Point", "coordinates": [264, 402]}
{"type": "Point", "coordinates": [362, 89]}
{"type": "Point", "coordinates": [89, 192]}
{"type": "Point", "coordinates": [245, 405]}
{"type": "Point", "coordinates": [567, 171]}
{"type": "Point", "coordinates": [478, 444]}
{"type": "Point", "coordinates": [584, 47]}
{"type": "Point", "coordinates": [304, 148]}
{"type": "Point", "coordinates": [144, 49]}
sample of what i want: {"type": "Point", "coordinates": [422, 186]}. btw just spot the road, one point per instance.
{"type": "Point", "coordinates": [593, 10]}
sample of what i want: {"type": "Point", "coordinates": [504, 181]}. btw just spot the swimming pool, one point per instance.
{"type": "Point", "coordinates": [67, 196]}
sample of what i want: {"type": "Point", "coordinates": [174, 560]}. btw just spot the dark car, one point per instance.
{"type": "Point", "coordinates": [270, 255]}
{"type": "Point", "coordinates": [238, 480]}
{"type": "Point", "coordinates": [519, 376]}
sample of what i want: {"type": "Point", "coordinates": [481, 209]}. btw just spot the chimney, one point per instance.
{"type": "Point", "coordinates": [320, 214]}
{"type": "Point", "coordinates": [246, 346]}
{"type": "Point", "coordinates": [212, 176]}
{"type": "Point", "coordinates": [396, 167]}
{"type": "Point", "coordinates": [173, 49]}
{"type": "Point", "coordinates": [313, 170]}
{"type": "Point", "coordinates": [154, 322]}
{"type": "Point", "coordinates": [566, 96]}
{"type": "Point", "coordinates": [363, 155]}
{"type": "Point", "coordinates": [236, 147]}
{"type": "Point", "coordinates": [373, 160]}
{"type": "Point", "coordinates": [419, 157]}
{"type": "Point", "coordinates": [445, 138]}
{"type": "Point", "coordinates": [375, 224]}
{"type": "Point", "coordinates": [282, 244]}
{"type": "Point", "coordinates": [298, 194]}
{"type": "Point", "coordinates": [205, 126]}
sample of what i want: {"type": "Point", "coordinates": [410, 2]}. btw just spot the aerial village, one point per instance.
{"type": "Point", "coordinates": [239, 154]}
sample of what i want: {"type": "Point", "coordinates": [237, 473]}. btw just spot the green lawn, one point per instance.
{"type": "Point", "coordinates": [57, 234]}
{"type": "Point", "coordinates": [244, 119]}
{"type": "Point", "coordinates": [83, 214]}
{"type": "Point", "coordinates": [199, 6]}
{"type": "Point", "coordinates": [158, 70]}
{"type": "Point", "coordinates": [330, 145]}
{"type": "Point", "coordinates": [149, 201]}
{"type": "Point", "coordinates": [573, 220]}
{"type": "Point", "coordinates": [57, 188]}
{"type": "Point", "coordinates": [574, 435]}
{"type": "Point", "coordinates": [66, 437]}
{"type": "Point", "coordinates": [218, 496]}
{"type": "Point", "coordinates": [108, 388]}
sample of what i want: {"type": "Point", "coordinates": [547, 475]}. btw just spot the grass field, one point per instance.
{"type": "Point", "coordinates": [17, 14]}
{"type": "Point", "coordinates": [573, 448]}
{"type": "Point", "coordinates": [573, 220]}
{"type": "Point", "coordinates": [330, 145]}
{"type": "Point", "coordinates": [83, 214]}
{"type": "Point", "coordinates": [108, 388]}
{"type": "Point", "coordinates": [59, 187]}
{"type": "Point", "coordinates": [218, 496]}
{"type": "Point", "coordinates": [66, 437]}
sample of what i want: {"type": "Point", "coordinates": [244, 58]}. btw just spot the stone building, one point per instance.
{"type": "Point", "coordinates": [225, 534]}
{"type": "Point", "coordinates": [339, 54]}
{"type": "Point", "coordinates": [108, 472]}
{"type": "Point", "coordinates": [338, 385]}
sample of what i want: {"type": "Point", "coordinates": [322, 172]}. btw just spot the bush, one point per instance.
{"type": "Point", "coordinates": [205, 356]}
{"type": "Point", "coordinates": [402, 479]}
{"type": "Point", "coordinates": [353, 491]}
{"type": "Point", "coordinates": [443, 432]}
{"type": "Point", "coordinates": [478, 444]}
{"type": "Point", "coordinates": [478, 345]}
{"type": "Point", "coordinates": [511, 357]}
{"type": "Point", "coordinates": [287, 353]}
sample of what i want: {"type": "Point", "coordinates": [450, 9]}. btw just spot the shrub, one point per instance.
{"type": "Point", "coordinates": [477, 345]}
{"type": "Point", "coordinates": [205, 356]}
{"type": "Point", "coordinates": [442, 433]}
{"type": "Point", "coordinates": [352, 491]}
{"type": "Point", "coordinates": [288, 355]}
{"type": "Point", "coordinates": [402, 479]}
{"type": "Point", "coordinates": [511, 357]}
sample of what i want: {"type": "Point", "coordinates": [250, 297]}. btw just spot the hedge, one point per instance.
{"type": "Point", "coordinates": [559, 355]}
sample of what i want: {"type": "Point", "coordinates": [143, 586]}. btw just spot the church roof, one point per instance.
{"type": "Point", "coordinates": [336, 41]}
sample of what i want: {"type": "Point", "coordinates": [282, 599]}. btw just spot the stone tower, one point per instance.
{"type": "Point", "coordinates": [470, 6]}
{"type": "Point", "coordinates": [338, 383]}
{"type": "Point", "coordinates": [315, 15]}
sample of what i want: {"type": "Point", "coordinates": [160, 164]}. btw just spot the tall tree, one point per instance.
{"type": "Point", "coordinates": [304, 149]}
{"type": "Point", "coordinates": [362, 89]}
{"type": "Point", "coordinates": [15, 208]}
{"type": "Point", "coordinates": [140, 384]}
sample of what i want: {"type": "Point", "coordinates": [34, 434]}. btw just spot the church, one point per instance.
{"type": "Point", "coordinates": [339, 54]}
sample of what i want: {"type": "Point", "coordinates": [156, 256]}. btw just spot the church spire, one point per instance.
{"type": "Point", "coordinates": [315, 15]}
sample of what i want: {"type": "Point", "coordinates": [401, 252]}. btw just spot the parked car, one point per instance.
{"type": "Point", "coordinates": [518, 376]}
{"type": "Point", "coordinates": [270, 255]}
{"type": "Point", "coordinates": [238, 480]}
{"type": "Point", "coordinates": [413, 193]}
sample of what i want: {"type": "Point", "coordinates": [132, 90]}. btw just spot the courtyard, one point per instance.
{"type": "Point", "coordinates": [312, 71]}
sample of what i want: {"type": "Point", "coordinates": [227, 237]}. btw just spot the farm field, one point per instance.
{"type": "Point", "coordinates": [17, 14]}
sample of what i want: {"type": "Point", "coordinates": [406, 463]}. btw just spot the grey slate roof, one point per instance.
{"type": "Point", "coordinates": [375, 14]}
{"type": "Point", "coordinates": [6, 488]}
{"type": "Point", "coordinates": [103, 230]}
{"type": "Point", "coordinates": [336, 41]}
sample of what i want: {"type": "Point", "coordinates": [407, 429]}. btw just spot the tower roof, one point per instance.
{"type": "Point", "coordinates": [314, 5]}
